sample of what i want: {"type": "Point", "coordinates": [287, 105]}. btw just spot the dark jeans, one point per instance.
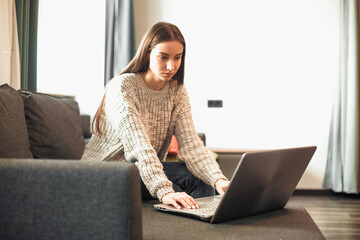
{"type": "Point", "coordinates": [183, 181]}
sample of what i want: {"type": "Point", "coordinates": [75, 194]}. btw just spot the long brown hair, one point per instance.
{"type": "Point", "coordinates": [160, 32]}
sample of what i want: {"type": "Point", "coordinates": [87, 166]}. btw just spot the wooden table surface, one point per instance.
{"type": "Point", "coordinates": [234, 150]}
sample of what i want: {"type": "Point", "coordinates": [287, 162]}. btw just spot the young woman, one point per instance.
{"type": "Point", "coordinates": [142, 108]}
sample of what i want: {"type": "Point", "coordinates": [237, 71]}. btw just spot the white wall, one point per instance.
{"type": "Point", "coordinates": [273, 63]}
{"type": "Point", "coordinates": [71, 50]}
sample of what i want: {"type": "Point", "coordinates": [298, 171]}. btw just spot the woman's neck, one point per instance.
{"type": "Point", "coordinates": [151, 81]}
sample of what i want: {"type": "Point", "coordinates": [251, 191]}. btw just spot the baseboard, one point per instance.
{"type": "Point", "coordinates": [322, 192]}
{"type": "Point", "coordinates": [313, 192]}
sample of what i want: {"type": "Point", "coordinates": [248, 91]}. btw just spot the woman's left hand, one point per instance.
{"type": "Point", "coordinates": [221, 186]}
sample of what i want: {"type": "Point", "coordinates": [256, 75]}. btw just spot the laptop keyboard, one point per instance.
{"type": "Point", "coordinates": [206, 208]}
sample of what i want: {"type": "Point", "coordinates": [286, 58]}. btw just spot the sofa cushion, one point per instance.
{"type": "Point", "coordinates": [54, 126]}
{"type": "Point", "coordinates": [85, 123]}
{"type": "Point", "coordinates": [14, 139]}
{"type": "Point", "coordinates": [292, 222]}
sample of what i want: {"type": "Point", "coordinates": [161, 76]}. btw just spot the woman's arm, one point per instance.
{"type": "Point", "coordinates": [123, 117]}
{"type": "Point", "coordinates": [191, 149]}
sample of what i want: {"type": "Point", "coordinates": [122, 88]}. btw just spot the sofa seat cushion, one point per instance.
{"type": "Point", "coordinates": [14, 139]}
{"type": "Point", "coordinates": [292, 222]}
{"type": "Point", "coordinates": [54, 126]}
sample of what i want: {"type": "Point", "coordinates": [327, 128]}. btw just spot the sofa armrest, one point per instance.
{"type": "Point", "coordinates": [61, 199]}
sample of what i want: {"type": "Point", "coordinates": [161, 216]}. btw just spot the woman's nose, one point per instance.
{"type": "Point", "coordinates": [170, 65]}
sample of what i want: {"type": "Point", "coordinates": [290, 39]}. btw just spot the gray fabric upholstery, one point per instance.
{"type": "Point", "coordinates": [54, 126]}
{"type": "Point", "coordinates": [85, 124]}
{"type": "Point", "coordinates": [14, 140]}
{"type": "Point", "coordinates": [47, 199]}
{"type": "Point", "coordinates": [292, 222]}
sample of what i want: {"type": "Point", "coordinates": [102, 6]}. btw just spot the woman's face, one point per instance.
{"type": "Point", "coordinates": [165, 60]}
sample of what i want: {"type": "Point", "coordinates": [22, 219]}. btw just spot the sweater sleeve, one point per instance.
{"type": "Point", "coordinates": [124, 118]}
{"type": "Point", "coordinates": [191, 149]}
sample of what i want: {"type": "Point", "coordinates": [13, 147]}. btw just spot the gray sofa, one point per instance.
{"type": "Point", "coordinates": [46, 193]}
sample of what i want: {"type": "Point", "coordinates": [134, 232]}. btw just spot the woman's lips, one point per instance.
{"type": "Point", "coordinates": [168, 74]}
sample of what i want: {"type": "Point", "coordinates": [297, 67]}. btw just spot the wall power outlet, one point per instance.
{"type": "Point", "coordinates": [215, 103]}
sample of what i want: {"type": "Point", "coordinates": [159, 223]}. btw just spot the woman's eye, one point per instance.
{"type": "Point", "coordinates": [177, 58]}
{"type": "Point", "coordinates": [163, 58]}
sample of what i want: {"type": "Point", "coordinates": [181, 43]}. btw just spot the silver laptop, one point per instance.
{"type": "Point", "coordinates": [262, 182]}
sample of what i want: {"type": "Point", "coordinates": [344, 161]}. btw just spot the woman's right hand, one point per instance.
{"type": "Point", "coordinates": [179, 199]}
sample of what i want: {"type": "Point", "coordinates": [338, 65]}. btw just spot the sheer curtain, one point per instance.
{"type": "Point", "coordinates": [342, 170]}
{"type": "Point", "coordinates": [9, 48]}
{"type": "Point", "coordinates": [120, 36]}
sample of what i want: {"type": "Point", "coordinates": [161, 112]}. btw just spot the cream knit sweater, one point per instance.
{"type": "Point", "coordinates": [138, 126]}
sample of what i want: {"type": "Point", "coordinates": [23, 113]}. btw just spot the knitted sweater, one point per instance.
{"type": "Point", "coordinates": [138, 126]}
